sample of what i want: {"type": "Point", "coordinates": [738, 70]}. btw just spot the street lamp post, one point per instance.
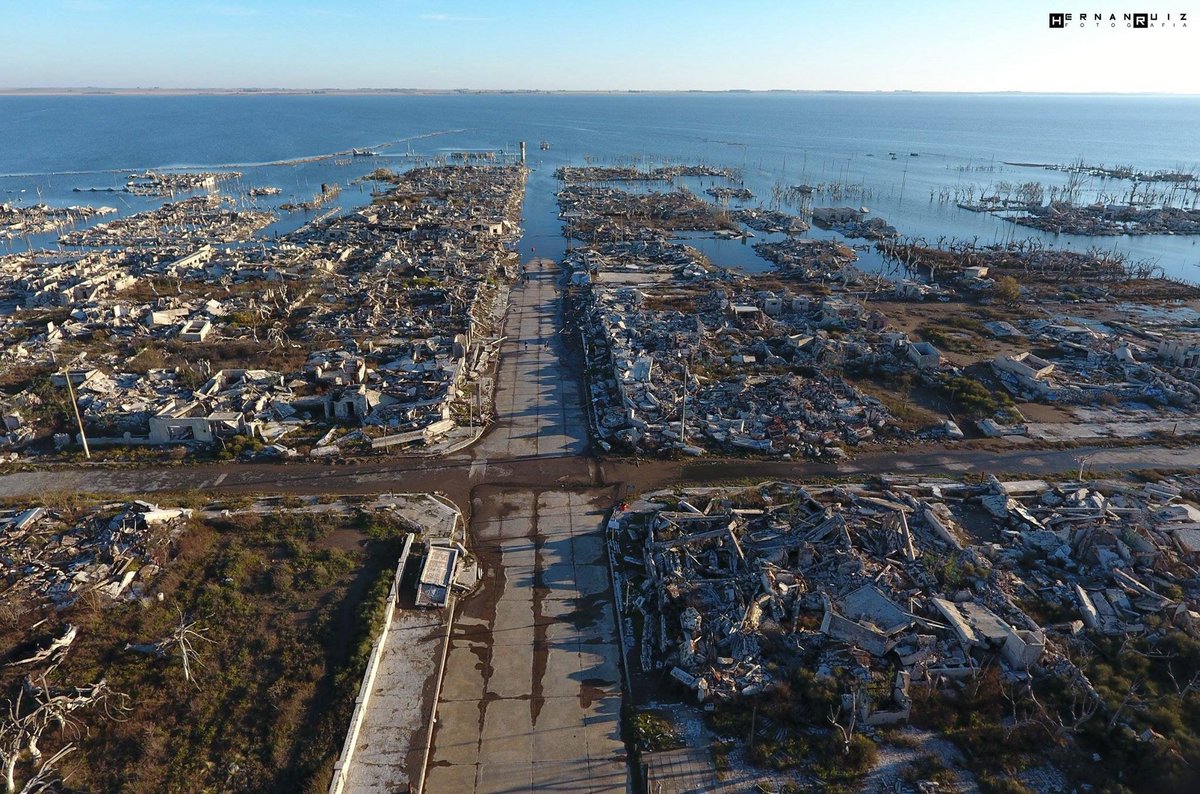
{"type": "Point", "coordinates": [683, 413]}
{"type": "Point", "coordinates": [78, 418]}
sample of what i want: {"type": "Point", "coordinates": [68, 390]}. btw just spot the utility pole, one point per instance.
{"type": "Point", "coordinates": [683, 413]}
{"type": "Point", "coordinates": [78, 419]}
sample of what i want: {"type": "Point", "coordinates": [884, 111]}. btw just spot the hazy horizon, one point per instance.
{"type": "Point", "coordinates": [49, 90]}
{"type": "Point", "coordinates": [528, 45]}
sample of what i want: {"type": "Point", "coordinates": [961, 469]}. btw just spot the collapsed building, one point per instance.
{"type": "Point", "coordinates": [19, 221]}
{"type": "Point", "coordinates": [599, 214]}
{"type": "Point", "coordinates": [770, 221]}
{"type": "Point", "coordinates": [851, 222]}
{"type": "Point", "coordinates": [194, 221]}
{"type": "Point", "coordinates": [909, 581]}
{"type": "Point", "coordinates": [48, 559]}
{"type": "Point", "coordinates": [168, 183]}
{"type": "Point", "coordinates": [384, 319]}
{"type": "Point", "coordinates": [1091, 363]}
{"type": "Point", "coordinates": [65, 279]}
{"type": "Point", "coordinates": [1105, 219]}
{"type": "Point", "coordinates": [812, 259]}
{"type": "Point", "coordinates": [599, 173]}
{"type": "Point", "coordinates": [716, 366]}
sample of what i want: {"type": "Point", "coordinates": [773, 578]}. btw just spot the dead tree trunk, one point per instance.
{"type": "Point", "coordinates": [184, 638]}
{"type": "Point", "coordinates": [846, 730]}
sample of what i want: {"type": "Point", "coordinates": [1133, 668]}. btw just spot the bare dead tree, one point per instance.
{"type": "Point", "coordinates": [846, 730]}
{"type": "Point", "coordinates": [46, 776]}
{"type": "Point", "coordinates": [185, 635]}
{"type": "Point", "coordinates": [1190, 687]}
{"type": "Point", "coordinates": [13, 740]}
{"type": "Point", "coordinates": [57, 705]}
{"type": "Point", "coordinates": [37, 708]}
{"type": "Point", "coordinates": [56, 648]}
{"type": "Point", "coordinates": [1131, 698]}
{"type": "Point", "coordinates": [1083, 707]}
{"type": "Point", "coordinates": [182, 640]}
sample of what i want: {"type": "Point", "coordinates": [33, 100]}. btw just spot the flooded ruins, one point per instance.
{"type": "Point", "coordinates": [628, 513]}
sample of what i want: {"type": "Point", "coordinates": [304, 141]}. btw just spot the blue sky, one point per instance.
{"type": "Point", "coordinates": [581, 45]}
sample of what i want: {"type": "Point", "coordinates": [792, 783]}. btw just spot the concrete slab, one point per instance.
{"type": "Point", "coordinates": [456, 748]}
{"type": "Point", "coordinates": [452, 778]}
{"type": "Point", "coordinates": [561, 744]}
{"type": "Point", "coordinates": [551, 712]}
{"type": "Point", "coordinates": [500, 777]}
{"type": "Point", "coordinates": [514, 614]}
{"type": "Point", "coordinates": [394, 723]}
{"type": "Point", "coordinates": [507, 732]}
{"type": "Point", "coordinates": [591, 580]}
{"type": "Point", "coordinates": [684, 771]}
{"type": "Point", "coordinates": [465, 672]}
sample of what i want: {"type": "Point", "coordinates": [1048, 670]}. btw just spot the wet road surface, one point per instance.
{"type": "Point", "coordinates": [531, 697]}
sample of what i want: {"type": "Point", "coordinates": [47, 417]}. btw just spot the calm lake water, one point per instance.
{"type": "Point", "coordinates": [53, 145]}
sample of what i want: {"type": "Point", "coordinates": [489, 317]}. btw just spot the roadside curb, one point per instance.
{"type": "Point", "coordinates": [419, 785]}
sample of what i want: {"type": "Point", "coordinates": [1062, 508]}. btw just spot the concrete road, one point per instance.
{"type": "Point", "coordinates": [532, 691]}
{"type": "Point", "coordinates": [538, 405]}
{"type": "Point", "coordinates": [456, 475]}
{"type": "Point", "coordinates": [531, 696]}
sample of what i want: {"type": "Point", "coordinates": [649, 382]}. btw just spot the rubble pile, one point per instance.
{"type": "Point", "coordinates": [850, 222]}
{"type": "Point", "coordinates": [327, 194]}
{"type": "Point", "coordinates": [609, 214]}
{"type": "Point", "coordinates": [385, 320]}
{"type": "Point", "coordinates": [729, 593]}
{"type": "Point", "coordinates": [158, 183]}
{"type": "Point", "coordinates": [157, 408]}
{"type": "Point", "coordinates": [604, 174]}
{"type": "Point", "coordinates": [727, 194]}
{"type": "Point", "coordinates": [68, 279]}
{"type": "Point", "coordinates": [18, 221]}
{"type": "Point", "coordinates": [807, 258]}
{"type": "Point", "coordinates": [1103, 365]}
{"type": "Point", "coordinates": [195, 221]}
{"type": "Point", "coordinates": [47, 559]}
{"type": "Point", "coordinates": [735, 589]}
{"type": "Point", "coordinates": [719, 366]}
{"type": "Point", "coordinates": [631, 174]}
{"type": "Point", "coordinates": [637, 256]}
{"type": "Point", "coordinates": [770, 221]}
{"type": "Point", "coordinates": [1098, 220]}
{"type": "Point", "coordinates": [1112, 553]}
{"type": "Point", "coordinates": [718, 172]}
{"type": "Point", "coordinates": [16, 429]}
{"type": "Point", "coordinates": [1028, 261]}
{"type": "Point", "coordinates": [407, 388]}
{"type": "Point", "coordinates": [870, 229]}
{"type": "Point", "coordinates": [425, 270]}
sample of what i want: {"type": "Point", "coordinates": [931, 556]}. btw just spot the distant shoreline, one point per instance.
{"type": "Point", "coordinates": [99, 91]}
